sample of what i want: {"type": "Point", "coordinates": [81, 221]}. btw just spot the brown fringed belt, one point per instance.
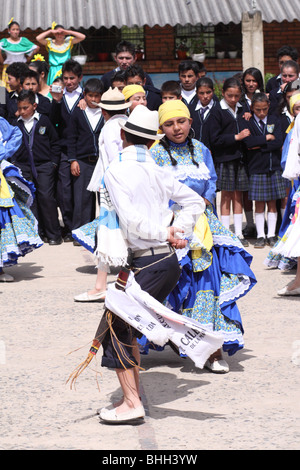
{"type": "Point", "coordinates": [106, 322]}
{"type": "Point", "coordinates": [104, 325]}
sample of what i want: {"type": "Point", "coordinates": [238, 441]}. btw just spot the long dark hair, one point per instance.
{"type": "Point", "coordinates": [166, 145]}
{"type": "Point", "coordinates": [256, 73]}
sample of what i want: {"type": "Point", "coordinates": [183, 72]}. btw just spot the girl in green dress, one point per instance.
{"type": "Point", "coordinates": [15, 48]}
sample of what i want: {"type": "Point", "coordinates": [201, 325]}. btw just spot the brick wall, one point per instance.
{"type": "Point", "coordinates": [160, 43]}
{"type": "Point", "coordinates": [277, 35]}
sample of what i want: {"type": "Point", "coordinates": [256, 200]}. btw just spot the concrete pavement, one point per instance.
{"type": "Point", "coordinates": [44, 335]}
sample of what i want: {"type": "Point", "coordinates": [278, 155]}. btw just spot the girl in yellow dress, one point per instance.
{"type": "Point", "coordinates": [58, 42]}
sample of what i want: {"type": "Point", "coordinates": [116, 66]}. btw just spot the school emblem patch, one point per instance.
{"type": "Point", "coordinates": [42, 130]}
{"type": "Point", "coordinates": [270, 128]}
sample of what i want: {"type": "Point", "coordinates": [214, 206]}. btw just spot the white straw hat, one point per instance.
{"type": "Point", "coordinates": [142, 122]}
{"type": "Point", "coordinates": [113, 100]}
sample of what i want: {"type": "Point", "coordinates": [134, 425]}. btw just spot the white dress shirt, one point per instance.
{"type": "Point", "coordinates": [188, 95]}
{"type": "Point", "coordinates": [93, 115]}
{"type": "Point", "coordinates": [140, 193]}
{"type": "Point", "coordinates": [28, 123]}
{"type": "Point", "coordinates": [225, 105]}
{"type": "Point", "coordinates": [200, 106]}
{"type": "Point", "coordinates": [72, 97]}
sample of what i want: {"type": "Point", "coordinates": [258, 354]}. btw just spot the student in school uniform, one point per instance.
{"type": "Point", "coordinates": [125, 56]}
{"type": "Point", "coordinates": [188, 72]}
{"type": "Point", "coordinates": [30, 81]}
{"type": "Point", "coordinates": [289, 73]}
{"type": "Point", "coordinates": [202, 109]}
{"type": "Point", "coordinates": [284, 105]}
{"type": "Point", "coordinates": [118, 80]}
{"type": "Point", "coordinates": [226, 136]}
{"type": "Point", "coordinates": [14, 72]}
{"type": "Point", "coordinates": [170, 90]}
{"type": "Point", "coordinates": [252, 82]}
{"type": "Point", "coordinates": [63, 105]}
{"type": "Point", "coordinates": [83, 151]}
{"type": "Point", "coordinates": [38, 157]}
{"type": "Point", "coordinates": [135, 75]}
{"type": "Point", "coordinates": [266, 185]}
{"type": "Point", "coordinates": [284, 53]}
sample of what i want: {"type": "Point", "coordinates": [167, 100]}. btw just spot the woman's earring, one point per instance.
{"type": "Point", "coordinates": [192, 133]}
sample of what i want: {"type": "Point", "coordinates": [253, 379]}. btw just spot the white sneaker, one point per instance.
{"type": "Point", "coordinates": [4, 277]}
{"type": "Point", "coordinates": [219, 366]}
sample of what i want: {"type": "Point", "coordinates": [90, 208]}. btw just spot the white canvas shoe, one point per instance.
{"type": "Point", "coordinates": [85, 297]}
{"type": "Point", "coordinates": [4, 277]}
{"type": "Point", "coordinates": [219, 366]}
{"type": "Point", "coordinates": [285, 291]}
{"type": "Point", "coordinates": [111, 416]}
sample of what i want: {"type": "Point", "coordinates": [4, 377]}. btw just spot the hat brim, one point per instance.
{"type": "Point", "coordinates": [138, 131]}
{"type": "Point", "coordinates": [114, 107]}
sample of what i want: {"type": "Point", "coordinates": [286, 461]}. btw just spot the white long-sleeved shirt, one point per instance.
{"type": "Point", "coordinates": [140, 192]}
{"type": "Point", "coordinates": [110, 146]}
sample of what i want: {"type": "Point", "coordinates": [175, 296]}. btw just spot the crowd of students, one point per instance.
{"type": "Point", "coordinates": [61, 123]}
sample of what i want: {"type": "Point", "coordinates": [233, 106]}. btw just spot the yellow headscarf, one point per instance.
{"type": "Point", "coordinates": [171, 109]}
{"type": "Point", "coordinates": [131, 90]}
{"type": "Point", "coordinates": [293, 100]}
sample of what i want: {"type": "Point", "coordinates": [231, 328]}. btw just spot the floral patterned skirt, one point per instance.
{"type": "Point", "coordinates": [209, 286]}
{"type": "Point", "coordinates": [18, 226]}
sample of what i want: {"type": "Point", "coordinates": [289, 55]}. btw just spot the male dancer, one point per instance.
{"type": "Point", "coordinates": [140, 192]}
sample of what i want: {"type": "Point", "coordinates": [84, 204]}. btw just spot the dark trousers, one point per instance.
{"type": "Point", "coordinates": [64, 192]}
{"type": "Point", "coordinates": [44, 206]}
{"type": "Point", "coordinates": [84, 200]}
{"type": "Point", "coordinates": [158, 280]}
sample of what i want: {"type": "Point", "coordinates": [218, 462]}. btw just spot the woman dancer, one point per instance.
{"type": "Point", "coordinates": [59, 47]}
{"type": "Point", "coordinates": [18, 227]}
{"type": "Point", "coordinates": [275, 259]}
{"type": "Point", "coordinates": [215, 267]}
{"type": "Point", "coordinates": [15, 48]}
{"type": "Point", "coordinates": [289, 245]}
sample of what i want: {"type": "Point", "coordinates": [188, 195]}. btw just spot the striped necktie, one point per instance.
{"type": "Point", "coordinates": [262, 125]}
{"type": "Point", "coordinates": [202, 111]}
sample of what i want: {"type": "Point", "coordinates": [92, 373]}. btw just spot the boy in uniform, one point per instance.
{"type": "Point", "coordinates": [135, 75]}
{"type": "Point", "coordinates": [170, 90]}
{"type": "Point", "coordinates": [188, 71]}
{"type": "Point", "coordinates": [63, 105]}
{"type": "Point", "coordinates": [83, 151]}
{"type": "Point", "coordinates": [38, 157]}
{"type": "Point", "coordinates": [30, 81]}
{"type": "Point", "coordinates": [125, 56]}
{"type": "Point", "coordinates": [15, 72]}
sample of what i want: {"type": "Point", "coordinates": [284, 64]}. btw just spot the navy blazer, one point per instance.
{"type": "Point", "coordinates": [275, 97]}
{"type": "Point", "coordinates": [263, 156]}
{"type": "Point", "coordinates": [9, 109]}
{"type": "Point", "coordinates": [222, 130]}
{"type": "Point", "coordinates": [45, 147]}
{"type": "Point", "coordinates": [60, 116]}
{"type": "Point", "coordinates": [106, 79]}
{"type": "Point", "coordinates": [153, 97]}
{"type": "Point", "coordinates": [273, 83]}
{"type": "Point", "coordinates": [202, 127]}
{"type": "Point", "coordinates": [82, 140]}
